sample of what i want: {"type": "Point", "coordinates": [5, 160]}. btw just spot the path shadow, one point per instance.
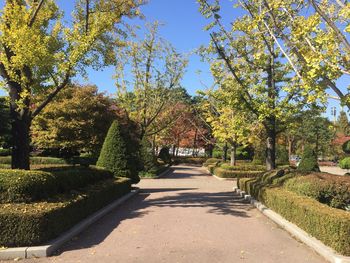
{"type": "Point", "coordinates": [159, 190]}
{"type": "Point", "coordinates": [98, 232]}
{"type": "Point", "coordinates": [183, 174]}
{"type": "Point", "coordinates": [221, 203]}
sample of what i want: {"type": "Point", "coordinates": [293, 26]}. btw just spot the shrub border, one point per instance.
{"type": "Point", "coordinates": [325, 251]}
{"type": "Point", "coordinates": [158, 176]}
{"type": "Point", "coordinates": [52, 246]}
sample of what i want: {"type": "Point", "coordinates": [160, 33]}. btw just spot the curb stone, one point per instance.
{"type": "Point", "coordinates": [51, 247]}
{"type": "Point", "coordinates": [320, 248]}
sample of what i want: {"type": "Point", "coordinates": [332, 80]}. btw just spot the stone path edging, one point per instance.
{"type": "Point", "coordinates": [320, 248]}
{"type": "Point", "coordinates": [51, 247]}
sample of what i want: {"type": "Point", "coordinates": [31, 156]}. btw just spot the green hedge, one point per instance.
{"type": "Point", "coordinates": [212, 161]}
{"type": "Point", "coordinates": [224, 173]}
{"type": "Point", "coordinates": [153, 172]}
{"type": "Point", "coordinates": [243, 167]}
{"type": "Point", "coordinates": [5, 152]}
{"type": "Point", "coordinates": [36, 160]}
{"type": "Point", "coordinates": [189, 160]}
{"type": "Point", "coordinates": [328, 189]}
{"type": "Point", "coordinates": [345, 163]}
{"type": "Point", "coordinates": [36, 223]}
{"type": "Point", "coordinates": [30, 186]}
{"type": "Point", "coordinates": [330, 225]}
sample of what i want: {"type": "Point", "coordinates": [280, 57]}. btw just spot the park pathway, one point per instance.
{"type": "Point", "coordinates": [187, 216]}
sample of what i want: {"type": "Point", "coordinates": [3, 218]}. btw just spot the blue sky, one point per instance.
{"type": "Point", "coordinates": [183, 27]}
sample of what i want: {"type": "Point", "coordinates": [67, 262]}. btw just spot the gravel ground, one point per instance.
{"type": "Point", "coordinates": [187, 216]}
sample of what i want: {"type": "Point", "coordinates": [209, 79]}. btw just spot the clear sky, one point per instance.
{"type": "Point", "coordinates": [183, 27]}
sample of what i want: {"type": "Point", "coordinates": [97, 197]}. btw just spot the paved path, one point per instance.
{"type": "Point", "coordinates": [186, 217]}
{"type": "Point", "coordinates": [334, 170]}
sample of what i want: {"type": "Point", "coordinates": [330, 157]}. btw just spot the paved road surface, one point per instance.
{"type": "Point", "coordinates": [334, 170]}
{"type": "Point", "coordinates": [187, 216]}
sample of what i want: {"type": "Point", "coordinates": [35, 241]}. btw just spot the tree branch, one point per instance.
{"type": "Point", "coordinates": [233, 71]}
{"type": "Point", "coordinates": [35, 14]}
{"type": "Point", "coordinates": [51, 96]}
{"type": "Point", "coordinates": [338, 33]}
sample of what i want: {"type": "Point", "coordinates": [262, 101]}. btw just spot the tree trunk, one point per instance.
{"type": "Point", "coordinates": [20, 129]}
{"type": "Point", "coordinates": [271, 149]}
{"type": "Point", "coordinates": [270, 124]}
{"type": "Point", "coordinates": [233, 155]}
{"type": "Point", "coordinates": [194, 143]}
{"type": "Point", "coordinates": [174, 149]}
{"type": "Point", "coordinates": [224, 156]}
{"type": "Point", "coordinates": [290, 146]}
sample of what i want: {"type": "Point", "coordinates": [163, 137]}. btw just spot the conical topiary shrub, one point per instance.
{"type": "Point", "coordinates": [164, 155]}
{"type": "Point", "coordinates": [113, 155]}
{"type": "Point", "coordinates": [308, 161]}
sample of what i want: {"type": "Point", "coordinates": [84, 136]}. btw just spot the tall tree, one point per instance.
{"type": "Point", "coordinates": [151, 97]}
{"type": "Point", "coordinates": [229, 124]}
{"type": "Point", "coordinates": [343, 126]}
{"type": "Point", "coordinates": [5, 125]}
{"type": "Point", "coordinates": [39, 51]}
{"type": "Point", "coordinates": [76, 121]}
{"type": "Point", "coordinates": [314, 38]}
{"type": "Point", "coordinates": [253, 71]}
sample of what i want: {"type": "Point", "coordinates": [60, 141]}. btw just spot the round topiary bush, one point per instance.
{"type": "Point", "coordinates": [308, 161]}
{"type": "Point", "coordinates": [345, 163]}
{"type": "Point", "coordinates": [164, 155]}
{"type": "Point", "coordinates": [346, 146]}
{"type": "Point", "coordinates": [114, 154]}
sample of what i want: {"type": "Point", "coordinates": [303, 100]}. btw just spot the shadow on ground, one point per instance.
{"type": "Point", "coordinates": [220, 203]}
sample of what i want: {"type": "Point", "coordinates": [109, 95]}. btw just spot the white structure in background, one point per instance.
{"type": "Point", "coordinates": [188, 152]}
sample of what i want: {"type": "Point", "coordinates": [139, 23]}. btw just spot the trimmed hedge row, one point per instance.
{"type": "Point", "coordinates": [243, 167]}
{"type": "Point", "coordinates": [211, 161]}
{"type": "Point", "coordinates": [153, 172]}
{"type": "Point", "coordinates": [330, 225]}
{"type": "Point", "coordinates": [189, 160]}
{"type": "Point", "coordinates": [29, 186]}
{"type": "Point", "coordinates": [36, 160]}
{"type": "Point", "coordinates": [36, 223]}
{"type": "Point", "coordinates": [328, 189]}
{"type": "Point", "coordinates": [5, 152]}
{"type": "Point", "coordinates": [224, 173]}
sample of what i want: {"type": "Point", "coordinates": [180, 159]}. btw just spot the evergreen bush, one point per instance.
{"type": "Point", "coordinates": [164, 155]}
{"type": "Point", "coordinates": [346, 146]}
{"type": "Point", "coordinates": [345, 163]}
{"type": "Point", "coordinates": [282, 155]}
{"type": "Point", "coordinates": [115, 156]}
{"type": "Point", "coordinates": [308, 161]}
